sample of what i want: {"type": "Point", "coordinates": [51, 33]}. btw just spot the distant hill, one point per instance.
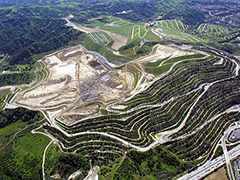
{"type": "Point", "coordinates": [219, 1]}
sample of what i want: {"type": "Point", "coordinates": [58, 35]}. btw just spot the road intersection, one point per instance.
{"type": "Point", "coordinates": [211, 165]}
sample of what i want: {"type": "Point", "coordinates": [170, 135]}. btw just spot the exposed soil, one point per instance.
{"type": "Point", "coordinates": [119, 40]}
{"type": "Point", "coordinates": [219, 175]}
{"type": "Point", "coordinates": [75, 79]}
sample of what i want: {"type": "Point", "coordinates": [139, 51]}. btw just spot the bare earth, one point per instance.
{"type": "Point", "coordinates": [77, 84]}
{"type": "Point", "coordinates": [218, 175]}
{"type": "Point", "coordinates": [159, 52]}
{"type": "Point", "coordinates": [119, 40]}
{"type": "Point", "coordinates": [162, 52]}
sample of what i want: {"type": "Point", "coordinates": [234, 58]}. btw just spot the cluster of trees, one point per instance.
{"type": "Point", "coordinates": [146, 48]}
{"type": "Point", "coordinates": [33, 30]}
{"type": "Point", "coordinates": [67, 164]}
{"type": "Point", "coordinates": [9, 116]}
{"type": "Point", "coordinates": [140, 47]}
{"type": "Point", "coordinates": [158, 163]}
{"type": "Point", "coordinates": [188, 16]}
{"type": "Point", "coordinates": [9, 169]}
{"type": "Point", "coordinates": [141, 10]}
{"type": "Point", "coordinates": [130, 45]}
{"type": "Point", "coordinates": [15, 78]}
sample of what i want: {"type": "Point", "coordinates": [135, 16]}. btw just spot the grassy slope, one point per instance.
{"type": "Point", "coordinates": [121, 27]}
{"type": "Point", "coordinates": [23, 156]}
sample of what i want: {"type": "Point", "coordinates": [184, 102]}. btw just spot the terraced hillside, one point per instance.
{"type": "Point", "coordinates": [128, 89]}
{"type": "Point", "coordinates": [216, 33]}
{"type": "Point", "coordinates": [186, 109]}
{"type": "Point", "coordinates": [175, 29]}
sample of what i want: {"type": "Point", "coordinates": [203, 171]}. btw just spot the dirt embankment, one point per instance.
{"type": "Point", "coordinates": [161, 52]}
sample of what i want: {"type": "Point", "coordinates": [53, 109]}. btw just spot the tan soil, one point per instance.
{"type": "Point", "coordinates": [218, 175]}
{"type": "Point", "coordinates": [76, 79]}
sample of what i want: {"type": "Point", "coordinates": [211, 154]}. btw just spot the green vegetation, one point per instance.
{"type": "Point", "coordinates": [218, 152]}
{"type": "Point", "coordinates": [32, 29]}
{"type": "Point", "coordinates": [150, 36]}
{"type": "Point", "coordinates": [190, 57]}
{"type": "Point", "coordinates": [15, 78]}
{"type": "Point", "coordinates": [189, 16]}
{"type": "Point", "coordinates": [65, 164]}
{"type": "Point", "coordinates": [3, 94]}
{"type": "Point", "coordinates": [10, 116]}
{"type": "Point", "coordinates": [8, 132]}
{"type": "Point", "coordinates": [21, 151]}
{"type": "Point", "coordinates": [149, 165]}
{"type": "Point", "coordinates": [113, 24]}
{"type": "Point", "coordinates": [137, 47]}
{"type": "Point", "coordinates": [156, 69]}
{"type": "Point", "coordinates": [215, 33]}
{"type": "Point", "coordinates": [175, 29]}
{"type": "Point", "coordinates": [23, 160]}
{"type": "Point", "coordinates": [143, 32]}
{"type": "Point", "coordinates": [159, 70]}
{"type": "Point", "coordinates": [33, 36]}
{"type": "Point", "coordinates": [136, 79]}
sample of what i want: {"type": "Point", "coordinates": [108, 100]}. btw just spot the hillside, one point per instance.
{"type": "Point", "coordinates": [119, 89]}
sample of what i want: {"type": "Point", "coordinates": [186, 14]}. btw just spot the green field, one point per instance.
{"type": "Point", "coordinates": [99, 38]}
{"type": "Point", "coordinates": [113, 24]}
{"type": "Point", "coordinates": [140, 32]}
{"type": "Point", "coordinates": [21, 151]}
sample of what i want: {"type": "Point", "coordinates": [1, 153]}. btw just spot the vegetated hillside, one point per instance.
{"type": "Point", "coordinates": [139, 120]}
{"type": "Point", "coordinates": [26, 2]}
{"type": "Point", "coordinates": [35, 27]}
{"type": "Point", "coordinates": [30, 31]}
{"type": "Point", "coordinates": [10, 116]}
{"type": "Point", "coordinates": [220, 1]}
{"type": "Point", "coordinates": [148, 10]}
{"type": "Point", "coordinates": [188, 15]}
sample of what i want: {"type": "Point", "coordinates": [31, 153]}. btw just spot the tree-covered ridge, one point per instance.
{"type": "Point", "coordinates": [15, 78]}
{"type": "Point", "coordinates": [36, 27]}
{"type": "Point", "coordinates": [23, 37]}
